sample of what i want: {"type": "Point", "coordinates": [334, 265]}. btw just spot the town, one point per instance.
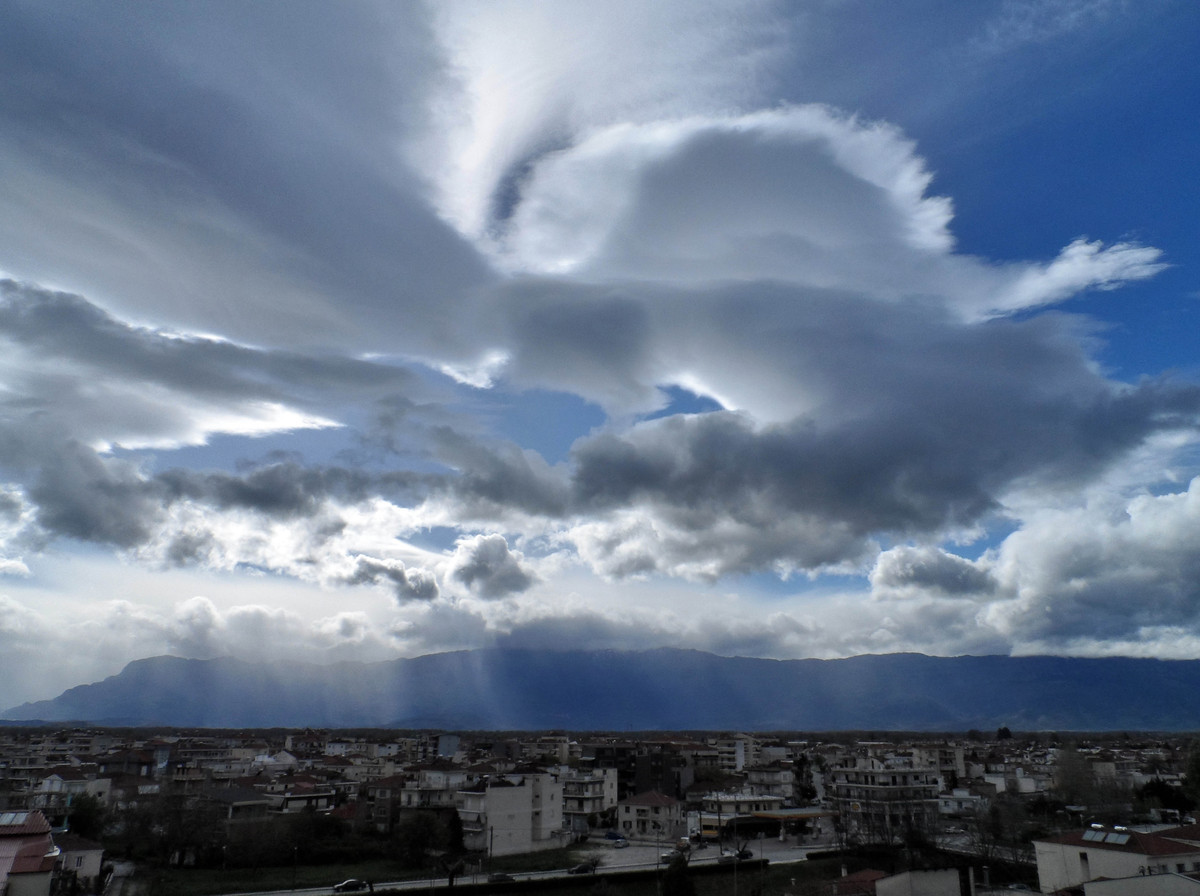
{"type": "Point", "coordinates": [93, 810]}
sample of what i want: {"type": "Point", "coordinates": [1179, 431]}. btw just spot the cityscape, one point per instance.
{"type": "Point", "coordinates": [148, 812]}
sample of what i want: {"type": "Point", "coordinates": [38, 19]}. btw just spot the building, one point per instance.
{"type": "Point", "coordinates": [587, 795]}
{"type": "Point", "coordinates": [79, 860]}
{"type": "Point", "coordinates": [512, 814]}
{"type": "Point", "coordinates": [882, 799]}
{"type": "Point", "coordinates": [1100, 851]}
{"type": "Point", "coordinates": [728, 813]}
{"type": "Point", "coordinates": [651, 815]}
{"type": "Point", "coordinates": [27, 854]}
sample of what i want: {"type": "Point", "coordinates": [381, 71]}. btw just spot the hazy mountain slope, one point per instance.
{"type": "Point", "coordinates": [656, 689]}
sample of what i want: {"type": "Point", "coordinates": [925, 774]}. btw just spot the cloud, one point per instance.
{"type": "Point", "coordinates": [1022, 22]}
{"type": "Point", "coordinates": [281, 277]}
{"type": "Point", "coordinates": [408, 584]}
{"type": "Point", "coordinates": [487, 567]}
{"type": "Point", "coordinates": [1106, 570]}
{"type": "Point", "coordinates": [561, 69]}
{"type": "Point", "coordinates": [929, 570]}
{"type": "Point", "coordinates": [1081, 265]}
{"type": "Point", "coordinates": [202, 168]}
{"type": "Point", "coordinates": [791, 194]}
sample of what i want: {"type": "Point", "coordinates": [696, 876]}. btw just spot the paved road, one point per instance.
{"type": "Point", "coordinates": [638, 856]}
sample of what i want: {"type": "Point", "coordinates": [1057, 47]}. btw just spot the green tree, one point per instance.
{"type": "Point", "coordinates": [88, 815]}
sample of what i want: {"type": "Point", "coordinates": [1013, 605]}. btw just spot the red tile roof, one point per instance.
{"type": "Point", "coordinates": [23, 824]}
{"type": "Point", "coordinates": [1168, 842]}
{"type": "Point", "coordinates": [34, 858]}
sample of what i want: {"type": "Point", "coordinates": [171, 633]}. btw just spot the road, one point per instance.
{"type": "Point", "coordinates": [638, 856]}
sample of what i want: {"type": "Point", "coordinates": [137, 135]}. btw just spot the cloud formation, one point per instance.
{"type": "Point", "coordinates": [546, 323]}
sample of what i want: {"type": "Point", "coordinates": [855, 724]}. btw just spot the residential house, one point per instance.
{"type": "Point", "coordinates": [79, 860]}
{"type": "Point", "coordinates": [27, 854]}
{"type": "Point", "coordinates": [651, 815]}
{"type": "Point", "coordinates": [962, 802]}
{"type": "Point", "coordinates": [1101, 851]}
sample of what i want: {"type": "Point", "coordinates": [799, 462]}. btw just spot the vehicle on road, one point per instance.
{"type": "Point", "coordinates": [499, 877]}
{"type": "Point", "coordinates": [620, 844]}
{"type": "Point", "coordinates": [353, 885]}
{"type": "Point", "coordinates": [582, 868]}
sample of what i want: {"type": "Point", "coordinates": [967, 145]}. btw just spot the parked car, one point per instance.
{"type": "Point", "coordinates": [353, 885]}
{"type": "Point", "coordinates": [743, 854]}
{"type": "Point", "coordinates": [620, 844]}
{"type": "Point", "coordinates": [499, 877]}
{"type": "Point", "coordinates": [613, 835]}
{"type": "Point", "coordinates": [582, 868]}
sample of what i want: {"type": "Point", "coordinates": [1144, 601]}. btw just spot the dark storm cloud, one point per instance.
{"type": "Point", "coordinates": [280, 490]}
{"type": "Point", "coordinates": [81, 495]}
{"type": "Point", "coordinates": [913, 422]}
{"type": "Point", "coordinates": [67, 326]}
{"type": "Point", "coordinates": [78, 379]}
{"type": "Point", "coordinates": [923, 468]}
{"type": "Point", "coordinates": [929, 570]}
{"type": "Point", "coordinates": [408, 584]}
{"type": "Point", "coordinates": [485, 565]}
{"type": "Point", "coordinates": [495, 478]}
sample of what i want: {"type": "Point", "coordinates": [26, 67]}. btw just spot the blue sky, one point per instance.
{"type": "Point", "coordinates": [780, 329]}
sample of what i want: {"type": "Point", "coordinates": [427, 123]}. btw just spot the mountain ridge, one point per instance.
{"type": "Point", "coordinates": [657, 689]}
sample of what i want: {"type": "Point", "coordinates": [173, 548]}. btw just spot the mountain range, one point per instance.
{"type": "Point", "coordinates": [664, 689]}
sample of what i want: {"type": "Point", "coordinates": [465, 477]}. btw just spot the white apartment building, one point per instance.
{"type": "Point", "coordinates": [586, 794]}
{"type": "Point", "coordinates": [512, 814]}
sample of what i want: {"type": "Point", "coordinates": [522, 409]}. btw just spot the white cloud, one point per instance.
{"type": "Point", "coordinates": [1081, 265]}
{"type": "Point", "coordinates": [524, 78]}
{"type": "Point", "coordinates": [1108, 569]}
{"type": "Point", "coordinates": [1022, 22]}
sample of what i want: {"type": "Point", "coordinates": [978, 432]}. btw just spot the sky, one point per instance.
{"type": "Point", "coordinates": [786, 329]}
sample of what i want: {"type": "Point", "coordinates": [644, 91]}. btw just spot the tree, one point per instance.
{"type": "Point", "coordinates": [675, 880]}
{"type": "Point", "coordinates": [1074, 783]}
{"type": "Point", "coordinates": [88, 815]}
{"type": "Point", "coordinates": [1191, 772]}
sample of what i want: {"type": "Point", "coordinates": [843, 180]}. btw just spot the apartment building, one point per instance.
{"type": "Point", "coordinates": [513, 814]}
{"type": "Point", "coordinates": [882, 799]}
{"type": "Point", "coordinates": [586, 795]}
